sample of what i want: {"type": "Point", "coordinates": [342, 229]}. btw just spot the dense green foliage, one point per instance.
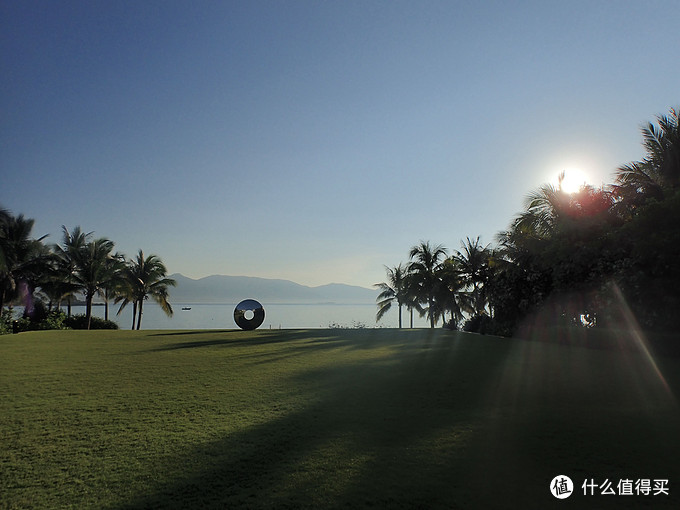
{"type": "Point", "coordinates": [337, 418]}
{"type": "Point", "coordinates": [43, 319]}
{"type": "Point", "coordinates": [81, 321]}
{"type": "Point", "coordinates": [579, 259]}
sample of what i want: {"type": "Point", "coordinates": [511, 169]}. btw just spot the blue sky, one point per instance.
{"type": "Point", "coordinates": [316, 140]}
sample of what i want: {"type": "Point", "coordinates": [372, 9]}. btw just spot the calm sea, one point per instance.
{"type": "Point", "coordinates": [203, 316]}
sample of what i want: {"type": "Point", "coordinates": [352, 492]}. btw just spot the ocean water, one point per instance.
{"type": "Point", "coordinates": [284, 316]}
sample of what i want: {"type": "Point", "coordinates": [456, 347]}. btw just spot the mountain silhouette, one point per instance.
{"type": "Point", "coordinates": [232, 289]}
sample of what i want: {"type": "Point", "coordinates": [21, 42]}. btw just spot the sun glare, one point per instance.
{"type": "Point", "coordinates": [573, 180]}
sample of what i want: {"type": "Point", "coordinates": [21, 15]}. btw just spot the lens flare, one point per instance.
{"type": "Point", "coordinates": [638, 336]}
{"type": "Point", "coordinates": [26, 298]}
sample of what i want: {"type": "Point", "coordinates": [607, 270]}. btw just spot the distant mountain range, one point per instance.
{"type": "Point", "coordinates": [232, 289]}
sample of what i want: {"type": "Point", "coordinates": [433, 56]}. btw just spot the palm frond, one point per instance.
{"type": "Point", "coordinates": [383, 308]}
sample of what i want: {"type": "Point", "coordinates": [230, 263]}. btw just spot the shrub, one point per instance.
{"type": "Point", "coordinates": [80, 322]}
{"type": "Point", "coordinates": [451, 325]}
{"type": "Point", "coordinates": [54, 320]}
{"type": "Point", "coordinates": [6, 319]}
{"type": "Point", "coordinates": [36, 313]}
{"type": "Point", "coordinates": [479, 324]}
{"type": "Point", "coordinates": [40, 321]}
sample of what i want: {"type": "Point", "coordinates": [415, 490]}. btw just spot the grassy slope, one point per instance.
{"type": "Point", "coordinates": [326, 418]}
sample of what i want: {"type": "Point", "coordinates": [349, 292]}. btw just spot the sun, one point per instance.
{"type": "Point", "coordinates": [574, 179]}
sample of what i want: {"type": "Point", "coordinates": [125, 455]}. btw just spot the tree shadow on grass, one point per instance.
{"type": "Point", "coordinates": [190, 332]}
{"type": "Point", "coordinates": [374, 433]}
{"type": "Point", "coordinates": [312, 338]}
{"type": "Point", "coordinates": [446, 421]}
{"type": "Point", "coordinates": [231, 338]}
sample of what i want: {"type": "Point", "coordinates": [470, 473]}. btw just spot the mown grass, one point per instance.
{"type": "Point", "coordinates": [327, 419]}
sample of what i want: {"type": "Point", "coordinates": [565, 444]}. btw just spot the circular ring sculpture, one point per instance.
{"type": "Point", "coordinates": [249, 305]}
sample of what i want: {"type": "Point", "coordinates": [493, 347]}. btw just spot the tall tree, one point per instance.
{"type": "Point", "coordinates": [425, 263]}
{"type": "Point", "coordinates": [451, 295]}
{"type": "Point", "coordinates": [22, 258]}
{"type": "Point", "coordinates": [395, 289]}
{"type": "Point", "coordinates": [93, 270]}
{"type": "Point", "coordinates": [65, 256]}
{"type": "Point", "coordinates": [146, 277]}
{"type": "Point", "coordinates": [125, 293]}
{"type": "Point", "coordinates": [474, 269]}
{"type": "Point", "coordinates": [115, 281]}
{"type": "Point", "coordinates": [411, 296]}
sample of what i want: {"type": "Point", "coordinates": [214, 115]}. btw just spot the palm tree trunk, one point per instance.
{"type": "Point", "coordinates": [139, 315]}
{"type": "Point", "coordinates": [399, 315]}
{"type": "Point", "coordinates": [134, 314]}
{"type": "Point", "coordinates": [430, 302]}
{"type": "Point", "coordinates": [411, 310]}
{"type": "Point", "coordinates": [88, 308]}
{"type": "Point", "coordinates": [68, 306]}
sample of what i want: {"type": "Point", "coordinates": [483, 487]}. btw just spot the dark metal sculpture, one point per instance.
{"type": "Point", "coordinates": [245, 306]}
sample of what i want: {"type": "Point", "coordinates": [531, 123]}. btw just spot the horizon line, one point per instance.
{"type": "Point", "coordinates": [271, 279]}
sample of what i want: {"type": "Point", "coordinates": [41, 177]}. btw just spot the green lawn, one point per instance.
{"type": "Point", "coordinates": [328, 419]}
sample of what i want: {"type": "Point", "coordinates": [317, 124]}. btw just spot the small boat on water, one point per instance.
{"type": "Point", "coordinates": [186, 308]}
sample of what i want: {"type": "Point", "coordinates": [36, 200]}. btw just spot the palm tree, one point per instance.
{"type": "Point", "coordinates": [125, 293]}
{"type": "Point", "coordinates": [544, 208]}
{"type": "Point", "coordinates": [22, 258]}
{"type": "Point", "coordinates": [395, 289]}
{"type": "Point", "coordinates": [660, 169]}
{"type": "Point", "coordinates": [146, 277]}
{"type": "Point", "coordinates": [550, 210]}
{"type": "Point", "coordinates": [72, 242]}
{"type": "Point", "coordinates": [473, 265]}
{"type": "Point", "coordinates": [425, 263]}
{"type": "Point", "coordinates": [115, 280]}
{"type": "Point", "coordinates": [92, 270]}
{"type": "Point", "coordinates": [56, 285]}
{"type": "Point", "coordinates": [450, 293]}
{"type": "Point", "coordinates": [65, 257]}
{"type": "Point", "coordinates": [411, 299]}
